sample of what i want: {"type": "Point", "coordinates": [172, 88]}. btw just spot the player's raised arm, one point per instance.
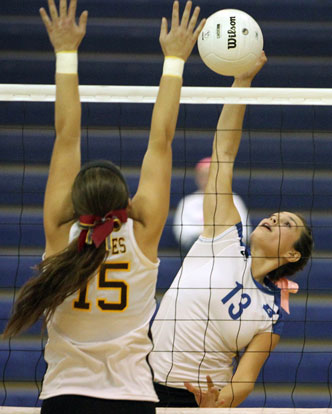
{"type": "Point", "coordinates": [219, 209]}
{"type": "Point", "coordinates": [150, 205]}
{"type": "Point", "coordinates": [65, 35]}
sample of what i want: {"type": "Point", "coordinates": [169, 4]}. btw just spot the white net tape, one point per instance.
{"type": "Point", "coordinates": [26, 410]}
{"type": "Point", "coordinates": [147, 94]}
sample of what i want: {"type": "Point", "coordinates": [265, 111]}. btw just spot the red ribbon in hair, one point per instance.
{"type": "Point", "coordinates": [101, 226]}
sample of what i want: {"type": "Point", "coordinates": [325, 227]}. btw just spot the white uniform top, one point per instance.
{"type": "Point", "coordinates": [188, 218]}
{"type": "Point", "coordinates": [98, 339]}
{"type": "Point", "coordinates": [212, 310]}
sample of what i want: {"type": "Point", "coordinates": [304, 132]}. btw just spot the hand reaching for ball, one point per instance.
{"type": "Point", "coordinates": [247, 77]}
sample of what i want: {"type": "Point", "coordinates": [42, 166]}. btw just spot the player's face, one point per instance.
{"type": "Point", "coordinates": [278, 233]}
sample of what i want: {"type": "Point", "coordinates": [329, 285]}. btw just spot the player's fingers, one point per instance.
{"type": "Point", "coordinates": [46, 20]}
{"type": "Point", "coordinates": [63, 8]}
{"type": "Point", "coordinates": [199, 395]}
{"type": "Point", "coordinates": [163, 28]}
{"type": "Point", "coordinates": [258, 65]}
{"type": "Point", "coordinates": [186, 14]}
{"type": "Point", "coordinates": [199, 29]}
{"type": "Point", "coordinates": [193, 20]}
{"type": "Point", "coordinates": [72, 9]}
{"type": "Point", "coordinates": [196, 391]}
{"type": "Point", "coordinates": [263, 57]}
{"type": "Point", "coordinates": [190, 387]}
{"type": "Point", "coordinates": [209, 382]}
{"type": "Point", "coordinates": [53, 10]}
{"type": "Point", "coordinates": [175, 14]}
{"type": "Point", "coordinates": [215, 392]}
{"type": "Point", "coordinates": [83, 20]}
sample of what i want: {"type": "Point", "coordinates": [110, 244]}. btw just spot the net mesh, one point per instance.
{"type": "Point", "coordinates": [283, 163]}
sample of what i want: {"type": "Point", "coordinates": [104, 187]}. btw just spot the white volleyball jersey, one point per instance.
{"type": "Point", "coordinates": [99, 337]}
{"type": "Point", "coordinates": [212, 310]}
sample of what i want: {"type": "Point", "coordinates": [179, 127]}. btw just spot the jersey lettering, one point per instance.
{"type": "Point", "coordinates": [241, 306]}
{"type": "Point", "coordinates": [103, 283]}
{"type": "Point", "coordinates": [82, 302]}
{"type": "Point", "coordinates": [118, 245]}
{"type": "Point", "coordinates": [269, 310]}
{"type": "Point", "coordinates": [121, 286]}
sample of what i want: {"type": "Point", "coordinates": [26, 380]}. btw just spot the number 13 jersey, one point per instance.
{"type": "Point", "coordinates": [99, 337]}
{"type": "Point", "coordinates": [212, 310]}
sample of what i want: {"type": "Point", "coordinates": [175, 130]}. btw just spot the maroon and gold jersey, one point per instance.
{"type": "Point", "coordinates": [98, 338]}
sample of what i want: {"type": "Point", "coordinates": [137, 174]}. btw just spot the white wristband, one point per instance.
{"type": "Point", "coordinates": [66, 62]}
{"type": "Point", "coordinates": [173, 66]}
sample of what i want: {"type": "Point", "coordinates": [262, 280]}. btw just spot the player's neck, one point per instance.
{"type": "Point", "coordinates": [262, 265]}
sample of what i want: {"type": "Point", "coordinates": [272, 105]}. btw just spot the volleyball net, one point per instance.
{"type": "Point", "coordinates": [284, 163]}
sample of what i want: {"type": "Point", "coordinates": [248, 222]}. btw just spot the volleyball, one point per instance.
{"type": "Point", "coordinates": [230, 42]}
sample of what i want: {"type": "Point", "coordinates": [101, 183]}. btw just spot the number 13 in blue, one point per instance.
{"type": "Point", "coordinates": [244, 303]}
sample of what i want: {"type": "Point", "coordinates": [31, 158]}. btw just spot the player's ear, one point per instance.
{"type": "Point", "coordinates": [293, 256]}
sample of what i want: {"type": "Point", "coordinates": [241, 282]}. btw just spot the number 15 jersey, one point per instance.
{"type": "Point", "coordinates": [212, 310]}
{"type": "Point", "coordinates": [98, 338]}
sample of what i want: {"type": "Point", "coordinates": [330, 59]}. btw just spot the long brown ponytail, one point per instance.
{"type": "Point", "coordinates": [98, 189]}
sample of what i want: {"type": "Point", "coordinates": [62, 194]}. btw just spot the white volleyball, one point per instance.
{"type": "Point", "coordinates": [230, 42]}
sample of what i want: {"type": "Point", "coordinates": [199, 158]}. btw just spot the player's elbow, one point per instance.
{"type": "Point", "coordinates": [162, 128]}
{"type": "Point", "coordinates": [161, 146]}
{"type": "Point", "coordinates": [234, 394]}
{"type": "Point", "coordinates": [169, 134]}
{"type": "Point", "coordinates": [249, 387]}
{"type": "Point", "coordinates": [244, 388]}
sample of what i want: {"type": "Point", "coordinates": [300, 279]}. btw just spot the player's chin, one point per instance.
{"type": "Point", "coordinates": [260, 234]}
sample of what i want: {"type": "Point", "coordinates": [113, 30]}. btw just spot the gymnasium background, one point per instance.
{"type": "Point", "coordinates": [284, 162]}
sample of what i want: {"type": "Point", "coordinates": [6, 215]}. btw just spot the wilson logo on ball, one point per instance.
{"type": "Point", "coordinates": [231, 42]}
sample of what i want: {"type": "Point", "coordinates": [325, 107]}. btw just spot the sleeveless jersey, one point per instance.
{"type": "Point", "coordinates": [212, 310]}
{"type": "Point", "coordinates": [98, 338]}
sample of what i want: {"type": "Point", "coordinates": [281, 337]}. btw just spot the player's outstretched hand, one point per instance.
{"type": "Point", "coordinates": [64, 33]}
{"type": "Point", "coordinates": [249, 76]}
{"type": "Point", "coordinates": [207, 399]}
{"type": "Point", "coordinates": [180, 40]}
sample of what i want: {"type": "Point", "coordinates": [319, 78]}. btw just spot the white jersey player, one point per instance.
{"type": "Point", "coordinates": [213, 309]}
{"type": "Point", "coordinates": [223, 300]}
{"type": "Point", "coordinates": [105, 325]}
